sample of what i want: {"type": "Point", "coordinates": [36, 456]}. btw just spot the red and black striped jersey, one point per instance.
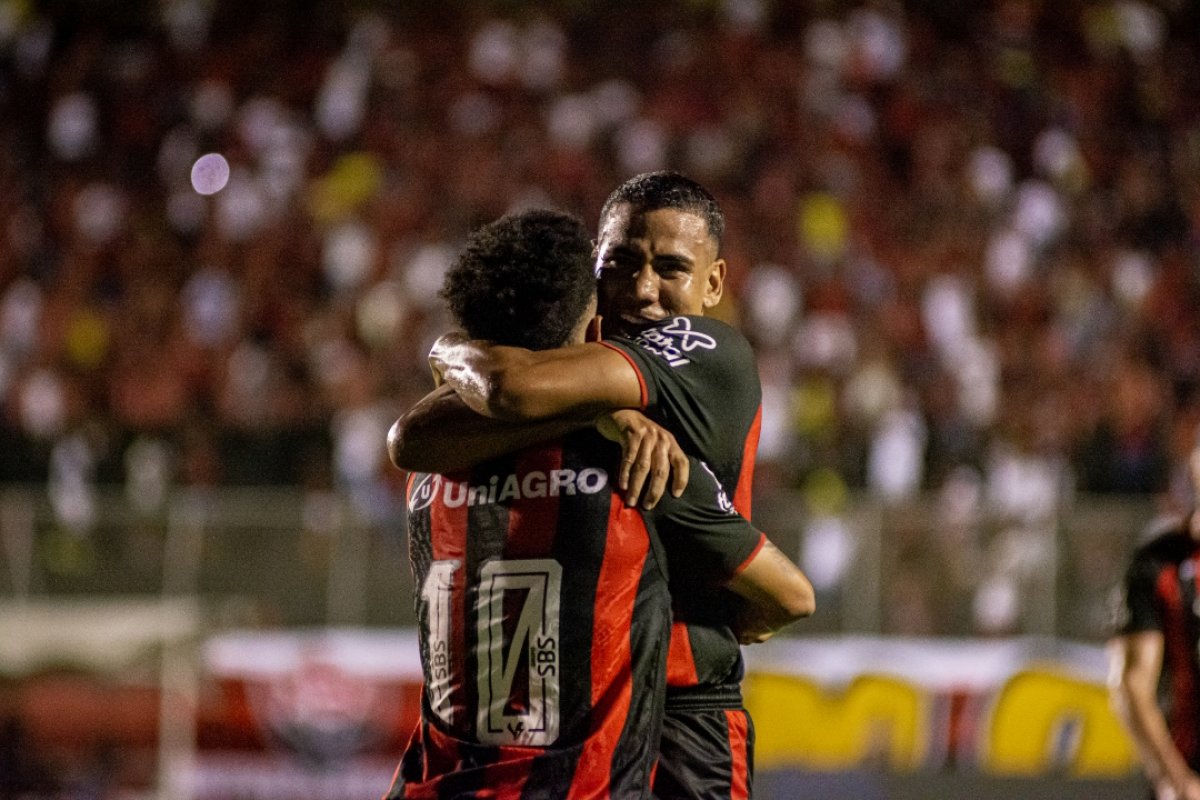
{"type": "Point", "coordinates": [543, 610]}
{"type": "Point", "coordinates": [700, 380]}
{"type": "Point", "coordinates": [1160, 594]}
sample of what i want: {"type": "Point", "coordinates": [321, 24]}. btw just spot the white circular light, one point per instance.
{"type": "Point", "coordinates": [210, 173]}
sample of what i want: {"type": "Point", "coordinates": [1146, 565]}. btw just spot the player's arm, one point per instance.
{"type": "Point", "coordinates": [512, 383]}
{"type": "Point", "coordinates": [441, 434]}
{"type": "Point", "coordinates": [520, 386]}
{"type": "Point", "coordinates": [705, 536]}
{"type": "Point", "coordinates": [776, 591]}
{"type": "Point", "coordinates": [1135, 665]}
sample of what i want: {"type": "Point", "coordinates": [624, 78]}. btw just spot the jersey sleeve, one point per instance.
{"type": "Point", "coordinates": [1137, 612]}
{"type": "Point", "coordinates": [699, 375]}
{"type": "Point", "coordinates": [702, 533]}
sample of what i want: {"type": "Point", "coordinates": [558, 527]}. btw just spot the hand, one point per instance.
{"type": "Point", "coordinates": [649, 456]}
{"type": "Point", "coordinates": [751, 630]}
{"type": "Point", "coordinates": [748, 624]}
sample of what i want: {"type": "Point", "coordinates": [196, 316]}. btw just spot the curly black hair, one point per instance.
{"type": "Point", "coordinates": [665, 189]}
{"type": "Point", "coordinates": [523, 280]}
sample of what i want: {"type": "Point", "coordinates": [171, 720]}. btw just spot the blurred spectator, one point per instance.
{"type": "Point", "coordinates": [929, 204]}
{"type": "Point", "coordinates": [1127, 450]}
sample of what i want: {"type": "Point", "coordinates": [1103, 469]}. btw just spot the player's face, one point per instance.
{"type": "Point", "coordinates": [655, 264]}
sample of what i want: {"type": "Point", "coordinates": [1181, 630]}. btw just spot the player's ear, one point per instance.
{"type": "Point", "coordinates": [593, 330]}
{"type": "Point", "coordinates": [714, 285]}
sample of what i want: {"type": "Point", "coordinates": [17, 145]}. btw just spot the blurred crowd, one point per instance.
{"type": "Point", "coordinates": [963, 237]}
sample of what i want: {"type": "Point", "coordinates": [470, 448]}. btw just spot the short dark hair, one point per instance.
{"type": "Point", "coordinates": [523, 280]}
{"type": "Point", "coordinates": [665, 189]}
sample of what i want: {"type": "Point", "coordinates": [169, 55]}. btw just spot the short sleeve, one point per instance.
{"type": "Point", "coordinates": [697, 356]}
{"type": "Point", "coordinates": [701, 381]}
{"type": "Point", "coordinates": [1136, 608]}
{"type": "Point", "coordinates": [702, 533]}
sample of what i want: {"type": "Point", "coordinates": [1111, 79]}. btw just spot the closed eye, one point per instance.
{"type": "Point", "coordinates": [621, 261]}
{"type": "Point", "coordinates": [667, 265]}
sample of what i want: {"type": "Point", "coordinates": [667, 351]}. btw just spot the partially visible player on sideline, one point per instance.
{"type": "Point", "coordinates": [542, 599]}
{"type": "Point", "coordinates": [1155, 654]}
{"type": "Point", "coordinates": [659, 271]}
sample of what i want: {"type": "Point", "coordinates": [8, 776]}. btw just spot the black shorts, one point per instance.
{"type": "Point", "coordinates": [706, 754]}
